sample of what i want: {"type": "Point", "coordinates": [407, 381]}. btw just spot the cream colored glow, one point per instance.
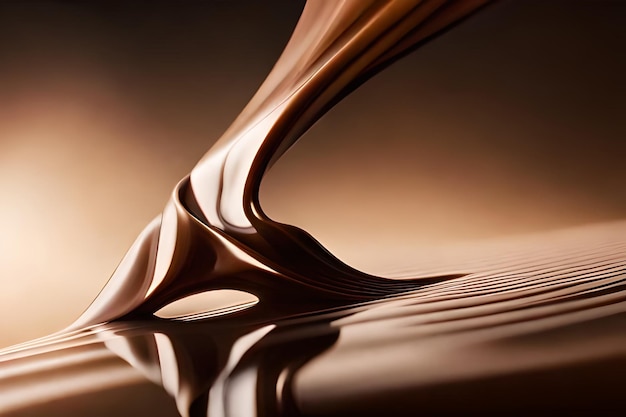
{"type": "Point", "coordinates": [231, 300]}
{"type": "Point", "coordinates": [80, 376]}
{"type": "Point", "coordinates": [67, 213]}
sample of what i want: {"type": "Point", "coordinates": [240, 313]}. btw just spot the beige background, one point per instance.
{"type": "Point", "coordinates": [510, 123]}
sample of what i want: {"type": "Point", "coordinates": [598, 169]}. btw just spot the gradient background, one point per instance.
{"type": "Point", "coordinates": [513, 122]}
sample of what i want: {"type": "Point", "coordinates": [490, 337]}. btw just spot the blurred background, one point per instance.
{"type": "Point", "coordinates": [511, 123]}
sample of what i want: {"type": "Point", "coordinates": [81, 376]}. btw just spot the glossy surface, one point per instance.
{"type": "Point", "coordinates": [538, 329]}
{"type": "Point", "coordinates": [522, 326]}
{"type": "Point", "coordinates": [213, 233]}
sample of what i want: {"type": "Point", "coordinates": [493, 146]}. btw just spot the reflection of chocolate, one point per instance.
{"type": "Point", "coordinates": [538, 329]}
{"type": "Point", "coordinates": [250, 370]}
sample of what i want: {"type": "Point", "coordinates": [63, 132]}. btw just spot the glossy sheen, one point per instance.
{"type": "Point", "coordinates": [537, 329]}
{"type": "Point", "coordinates": [531, 327]}
{"type": "Point", "coordinates": [213, 233]}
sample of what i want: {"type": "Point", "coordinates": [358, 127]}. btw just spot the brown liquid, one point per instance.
{"type": "Point", "coordinates": [213, 233]}
{"type": "Point", "coordinates": [326, 339]}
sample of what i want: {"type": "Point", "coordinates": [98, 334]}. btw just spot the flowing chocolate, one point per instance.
{"type": "Point", "coordinates": [213, 233]}
{"type": "Point", "coordinates": [535, 327]}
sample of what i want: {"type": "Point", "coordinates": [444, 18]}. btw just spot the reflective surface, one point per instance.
{"type": "Point", "coordinates": [324, 338]}
{"type": "Point", "coordinates": [538, 329]}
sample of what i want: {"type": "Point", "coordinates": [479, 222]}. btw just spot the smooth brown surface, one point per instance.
{"type": "Point", "coordinates": [537, 329]}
